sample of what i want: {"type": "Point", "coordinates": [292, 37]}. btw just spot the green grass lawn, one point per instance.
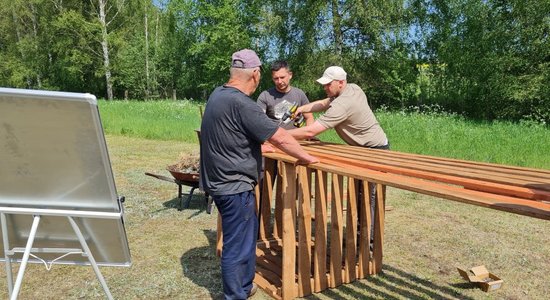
{"type": "Point", "coordinates": [422, 133]}
{"type": "Point", "coordinates": [160, 120]}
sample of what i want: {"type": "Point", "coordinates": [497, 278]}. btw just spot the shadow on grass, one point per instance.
{"type": "Point", "coordinates": [393, 283]}
{"type": "Point", "coordinates": [202, 266]}
{"type": "Point", "coordinates": [198, 203]}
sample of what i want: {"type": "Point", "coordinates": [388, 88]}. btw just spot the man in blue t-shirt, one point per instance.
{"type": "Point", "coordinates": [232, 132]}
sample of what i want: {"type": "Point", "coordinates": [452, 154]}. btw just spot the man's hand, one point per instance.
{"type": "Point", "coordinates": [307, 160]}
{"type": "Point", "coordinates": [268, 148]}
{"type": "Point", "coordinates": [299, 111]}
{"type": "Point", "coordinates": [286, 143]}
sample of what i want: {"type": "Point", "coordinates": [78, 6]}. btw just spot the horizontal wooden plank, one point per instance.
{"type": "Point", "coordinates": [274, 274]}
{"type": "Point", "coordinates": [492, 173]}
{"type": "Point", "coordinates": [268, 282]}
{"type": "Point", "coordinates": [270, 261]}
{"type": "Point", "coordinates": [541, 173]}
{"type": "Point", "coordinates": [505, 203]}
{"type": "Point", "coordinates": [491, 187]}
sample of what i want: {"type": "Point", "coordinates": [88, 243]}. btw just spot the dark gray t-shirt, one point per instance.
{"type": "Point", "coordinates": [275, 103]}
{"type": "Point", "coordinates": [232, 131]}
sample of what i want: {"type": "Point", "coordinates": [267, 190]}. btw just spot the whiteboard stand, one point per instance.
{"type": "Point", "coordinates": [53, 142]}
{"type": "Point", "coordinates": [28, 250]}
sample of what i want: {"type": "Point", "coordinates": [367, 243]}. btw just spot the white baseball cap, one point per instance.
{"type": "Point", "coordinates": [332, 73]}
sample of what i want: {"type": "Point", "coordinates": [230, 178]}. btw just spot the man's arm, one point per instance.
{"type": "Point", "coordinates": [307, 132]}
{"type": "Point", "coordinates": [316, 106]}
{"type": "Point", "coordinates": [284, 141]}
{"type": "Point", "coordinates": [309, 118]}
{"type": "Point", "coordinates": [305, 101]}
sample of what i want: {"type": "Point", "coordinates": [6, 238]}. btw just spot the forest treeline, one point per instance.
{"type": "Point", "coordinates": [485, 59]}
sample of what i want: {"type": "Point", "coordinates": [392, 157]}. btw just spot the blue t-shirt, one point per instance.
{"type": "Point", "coordinates": [232, 131]}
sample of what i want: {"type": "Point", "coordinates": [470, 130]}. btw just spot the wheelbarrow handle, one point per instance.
{"type": "Point", "coordinates": [161, 177]}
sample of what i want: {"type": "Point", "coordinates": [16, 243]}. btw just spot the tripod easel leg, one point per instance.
{"type": "Point", "coordinates": [90, 258]}
{"type": "Point", "coordinates": [5, 239]}
{"type": "Point", "coordinates": [25, 260]}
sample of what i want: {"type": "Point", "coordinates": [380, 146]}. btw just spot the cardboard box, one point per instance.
{"type": "Point", "coordinates": [486, 280]}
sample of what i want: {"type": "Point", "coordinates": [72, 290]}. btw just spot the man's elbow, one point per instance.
{"type": "Point", "coordinates": [280, 137]}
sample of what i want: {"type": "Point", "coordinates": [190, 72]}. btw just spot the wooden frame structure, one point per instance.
{"type": "Point", "coordinates": [315, 220]}
{"type": "Point", "coordinates": [309, 246]}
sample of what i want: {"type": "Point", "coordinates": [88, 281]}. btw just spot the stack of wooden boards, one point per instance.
{"type": "Point", "coordinates": [518, 190]}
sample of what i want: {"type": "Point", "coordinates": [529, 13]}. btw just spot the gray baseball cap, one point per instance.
{"type": "Point", "coordinates": [245, 59]}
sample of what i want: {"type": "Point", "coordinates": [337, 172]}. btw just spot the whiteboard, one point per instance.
{"type": "Point", "coordinates": [53, 155]}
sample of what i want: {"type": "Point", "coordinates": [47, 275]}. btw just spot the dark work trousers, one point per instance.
{"type": "Point", "coordinates": [372, 198]}
{"type": "Point", "coordinates": [240, 231]}
{"type": "Point", "coordinates": [261, 183]}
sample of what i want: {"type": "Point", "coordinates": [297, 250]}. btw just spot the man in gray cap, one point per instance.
{"type": "Point", "coordinates": [348, 112]}
{"type": "Point", "coordinates": [232, 132]}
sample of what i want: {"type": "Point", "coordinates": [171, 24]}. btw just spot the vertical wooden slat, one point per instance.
{"type": "Point", "coordinates": [295, 206]}
{"type": "Point", "coordinates": [351, 232]}
{"type": "Point", "coordinates": [304, 233]}
{"type": "Point", "coordinates": [336, 234]}
{"type": "Point", "coordinates": [267, 195]}
{"type": "Point", "coordinates": [289, 290]}
{"type": "Point", "coordinates": [311, 184]}
{"type": "Point", "coordinates": [343, 193]}
{"type": "Point", "coordinates": [219, 237]}
{"type": "Point", "coordinates": [310, 175]}
{"type": "Point", "coordinates": [364, 236]}
{"type": "Point", "coordinates": [379, 228]}
{"type": "Point", "coordinates": [257, 198]}
{"type": "Point", "coordinates": [320, 255]}
{"type": "Point", "coordinates": [278, 226]}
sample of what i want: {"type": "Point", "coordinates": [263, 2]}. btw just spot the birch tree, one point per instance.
{"type": "Point", "coordinates": [107, 13]}
{"type": "Point", "coordinates": [146, 31]}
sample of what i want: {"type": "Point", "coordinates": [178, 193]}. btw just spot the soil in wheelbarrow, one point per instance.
{"type": "Point", "coordinates": [186, 168]}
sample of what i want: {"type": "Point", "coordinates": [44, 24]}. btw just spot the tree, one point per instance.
{"type": "Point", "coordinates": [27, 57]}
{"type": "Point", "coordinates": [103, 7]}
{"type": "Point", "coordinates": [212, 31]}
{"type": "Point", "coordinates": [495, 55]}
{"type": "Point", "coordinates": [488, 59]}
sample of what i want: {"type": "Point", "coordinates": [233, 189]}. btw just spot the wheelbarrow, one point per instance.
{"type": "Point", "coordinates": [188, 179]}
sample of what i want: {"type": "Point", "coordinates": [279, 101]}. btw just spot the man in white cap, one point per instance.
{"type": "Point", "coordinates": [232, 132]}
{"type": "Point", "coordinates": [348, 112]}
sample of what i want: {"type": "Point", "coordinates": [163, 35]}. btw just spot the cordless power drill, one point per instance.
{"type": "Point", "coordinates": [289, 115]}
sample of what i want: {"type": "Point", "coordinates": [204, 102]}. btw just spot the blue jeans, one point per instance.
{"type": "Point", "coordinates": [240, 231]}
